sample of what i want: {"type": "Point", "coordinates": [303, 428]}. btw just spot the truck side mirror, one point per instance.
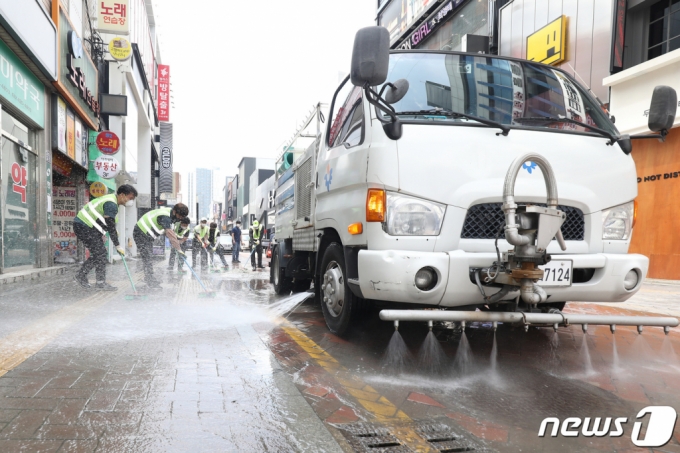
{"type": "Point", "coordinates": [662, 109]}
{"type": "Point", "coordinates": [370, 57]}
{"type": "Point", "coordinates": [396, 91]}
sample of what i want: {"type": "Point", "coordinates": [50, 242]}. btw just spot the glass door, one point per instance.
{"type": "Point", "coordinates": [18, 202]}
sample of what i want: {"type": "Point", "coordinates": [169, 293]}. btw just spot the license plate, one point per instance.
{"type": "Point", "coordinates": [556, 273]}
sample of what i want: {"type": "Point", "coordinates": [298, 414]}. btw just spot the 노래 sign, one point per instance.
{"type": "Point", "coordinates": [108, 142]}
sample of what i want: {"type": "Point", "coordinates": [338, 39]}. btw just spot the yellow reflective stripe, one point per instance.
{"type": "Point", "coordinates": [94, 224]}
{"type": "Point", "coordinates": [144, 223]}
{"type": "Point", "coordinates": [152, 222]}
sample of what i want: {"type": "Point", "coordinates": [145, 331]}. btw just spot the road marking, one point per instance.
{"type": "Point", "coordinates": [18, 346]}
{"type": "Point", "coordinates": [376, 404]}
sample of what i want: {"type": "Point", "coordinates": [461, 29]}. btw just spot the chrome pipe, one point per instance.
{"type": "Point", "coordinates": [526, 318]}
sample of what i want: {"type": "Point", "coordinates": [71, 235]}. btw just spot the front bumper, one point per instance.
{"type": "Point", "coordinates": [389, 275]}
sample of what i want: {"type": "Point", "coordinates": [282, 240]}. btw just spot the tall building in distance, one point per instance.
{"type": "Point", "coordinates": [204, 191]}
{"type": "Point", "coordinates": [191, 195]}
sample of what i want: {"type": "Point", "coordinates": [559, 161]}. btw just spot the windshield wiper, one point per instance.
{"type": "Point", "coordinates": [551, 119]}
{"type": "Point", "coordinates": [451, 114]}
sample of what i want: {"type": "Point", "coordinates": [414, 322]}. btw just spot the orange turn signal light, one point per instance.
{"type": "Point", "coordinates": [635, 210]}
{"type": "Point", "coordinates": [375, 205]}
{"type": "Point", "coordinates": [356, 228]}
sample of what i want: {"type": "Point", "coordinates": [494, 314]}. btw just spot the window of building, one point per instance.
{"type": "Point", "coordinates": [664, 28]}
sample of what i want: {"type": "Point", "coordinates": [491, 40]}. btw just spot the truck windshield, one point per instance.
{"type": "Point", "coordinates": [512, 93]}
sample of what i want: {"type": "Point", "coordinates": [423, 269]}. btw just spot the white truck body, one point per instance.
{"type": "Point", "coordinates": [459, 165]}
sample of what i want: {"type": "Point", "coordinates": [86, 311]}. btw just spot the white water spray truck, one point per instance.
{"type": "Point", "coordinates": [434, 184]}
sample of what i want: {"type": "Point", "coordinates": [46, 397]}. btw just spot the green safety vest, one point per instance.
{"type": "Point", "coordinates": [94, 211]}
{"type": "Point", "coordinates": [149, 222]}
{"type": "Point", "coordinates": [179, 231]}
{"type": "Point", "coordinates": [201, 231]}
{"type": "Point", "coordinates": [256, 233]}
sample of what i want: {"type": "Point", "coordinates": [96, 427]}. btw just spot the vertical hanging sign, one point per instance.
{"type": "Point", "coordinates": [165, 177]}
{"type": "Point", "coordinates": [163, 92]}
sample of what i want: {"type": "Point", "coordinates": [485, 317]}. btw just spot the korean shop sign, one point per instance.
{"type": "Point", "coordinates": [20, 87]}
{"type": "Point", "coordinates": [20, 180]}
{"type": "Point", "coordinates": [78, 76]}
{"type": "Point", "coordinates": [107, 167]}
{"type": "Point", "coordinates": [163, 92]}
{"type": "Point", "coordinates": [113, 16]}
{"type": "Point", "coordinates": [108, 142]}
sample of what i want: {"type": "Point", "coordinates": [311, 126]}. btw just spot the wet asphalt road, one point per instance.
{"type": "Point", "coordinates": [86, 371]}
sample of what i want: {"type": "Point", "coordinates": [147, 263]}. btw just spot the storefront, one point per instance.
{"type": "Point", "coordinates": [657, 163]}
{"type": "Point", "coordinates": [431, 25]}
{"type": "Point", "coordinates": [75, 117]}
{"type": "Point", "coordinates": [22, 100]}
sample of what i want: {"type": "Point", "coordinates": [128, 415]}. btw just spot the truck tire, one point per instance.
{"type": "Point", "coordinates": [337, 300]}
{"type": "Point", "coordinates": [278, 276]}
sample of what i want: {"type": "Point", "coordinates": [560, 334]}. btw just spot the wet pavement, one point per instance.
{"type": "Point", "coordinates": [86, 371]}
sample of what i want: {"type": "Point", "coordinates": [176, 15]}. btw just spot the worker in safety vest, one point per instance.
{"type": "Point", "coordinates": [98, 217]}
{"type": "Point", "coordinates": [149, 227]}
{"type": "Point", "coordinates": [256, 241]}
{"type": "Point", "coordinates": [200, 244]}
{"type": "Point", "coordinates": [181, 230]}
{"type": "Point", "coordinates": [215, 246]}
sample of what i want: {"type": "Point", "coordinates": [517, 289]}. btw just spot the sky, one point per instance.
{"type": "Point", "coordinates": [244, 74]}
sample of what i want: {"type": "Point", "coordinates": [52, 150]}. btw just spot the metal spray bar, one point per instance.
{"type": "Point", "coordinates": [526, 319]}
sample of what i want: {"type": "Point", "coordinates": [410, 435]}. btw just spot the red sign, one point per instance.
{"type": "Point", "coordinates": [163, 92]}
{"type": "Point", "coordinates": [108, 142]}
{"type": "Point", "coordinates": [20, 179]}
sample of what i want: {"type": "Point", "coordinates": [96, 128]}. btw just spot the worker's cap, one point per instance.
{"type": "Point", "coordinates": [204, 219]}
{"type": "Point", "coordinates": [256, 223]}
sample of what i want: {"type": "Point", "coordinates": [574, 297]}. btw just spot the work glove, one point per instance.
{"type": "Point", "coordinates": [120, 251]}
{"type": "Point", "coordinates": [257, 242]}
{"type": "Point", "coordinates": [181, 253]}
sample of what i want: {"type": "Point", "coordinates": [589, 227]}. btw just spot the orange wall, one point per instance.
{"type": "Point", "coordinates": [657, 230]}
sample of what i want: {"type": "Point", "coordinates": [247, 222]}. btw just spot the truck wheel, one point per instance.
{"type": "Point", "coordinates": [278, 276]}
{"type": "Point", "coordinates": [337, 300]}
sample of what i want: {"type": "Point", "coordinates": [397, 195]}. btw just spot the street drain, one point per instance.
{"type": "Point", "coordinates": [444, 439]}
{"type": "Point", "coordinates": [373, 438]}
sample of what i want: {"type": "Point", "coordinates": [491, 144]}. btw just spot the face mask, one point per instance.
{"type": "Point", "coordinates": [130, 203]}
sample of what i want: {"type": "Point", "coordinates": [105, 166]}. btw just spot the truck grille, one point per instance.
{"type": "Point", "coordinates": [483, 221]}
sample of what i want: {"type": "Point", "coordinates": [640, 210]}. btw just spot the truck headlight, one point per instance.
{"type": "Point", "coordinates": [410, 216]}
{"type": "Point", "coordinates": [617, 222]}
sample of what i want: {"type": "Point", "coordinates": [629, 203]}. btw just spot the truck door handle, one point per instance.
{"type": "Point", "coordinates": [311, 184]}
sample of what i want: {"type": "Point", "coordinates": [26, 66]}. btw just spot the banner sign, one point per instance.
{"type": "Point", "coordinates": [63, 212]}
{"type": "Point", "coordinates": [431, 24]}
{"type": "Point", "coordinates": [113, 16]}
{"type": "Point", "coordinates": [108, 142]}
{"type": "Point", "coordinates": [20, 87]}
{"type": "Point", "coordinates": [163, 92]}
{"type": "Point", "coordinates": [107, 167]}
{"type": "Point", "coordinates": [61, 125]}
{"type": "Point", "coordinates": [165, 178]}
{"type": "Point", "coordinates": [70, 134]}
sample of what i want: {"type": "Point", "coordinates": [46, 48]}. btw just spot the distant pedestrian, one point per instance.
{"type": "Point", "coordinates": [215, 246]}
{"type": "Point", "coordinates": [98, 217]}
{"type": "Point", "coordinates": [149, 227]}
{"type": "Point", "coordinates": [200, 244]}
{"type": "Point", "coordinates": [235, 234]}
{"type": "Point", "coordinates": [256, 241]}
{"type": "Point", "coordinates": [181, 230]}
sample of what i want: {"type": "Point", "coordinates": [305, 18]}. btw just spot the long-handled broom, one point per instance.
{"type": "Point", "coordinates": [213, 266]}
{"type": "Point", "coordinates": [136, 295]}
{"type": "Point", "coordinates": [205, 292]}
